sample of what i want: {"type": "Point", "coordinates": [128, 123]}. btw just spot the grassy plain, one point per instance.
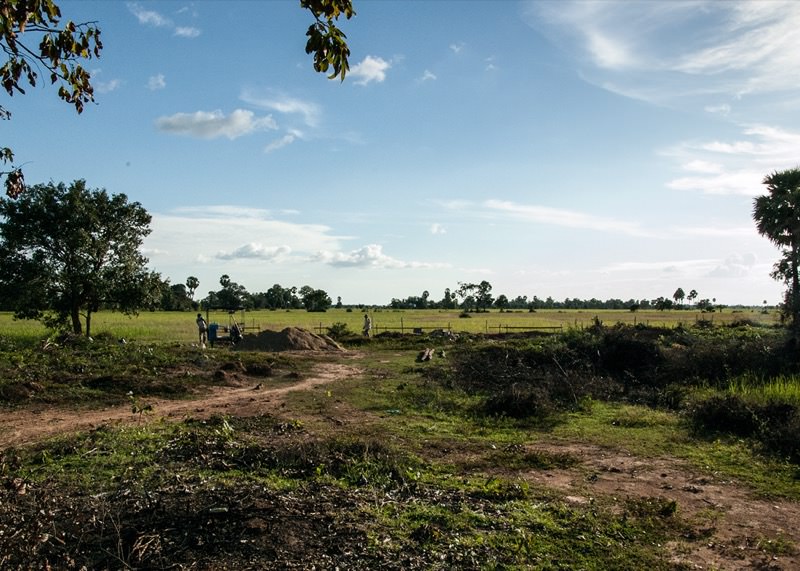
{"type": "Point", "coordinates": [180, 326]}
{"type": "Point", "coordinates": [399, 467]}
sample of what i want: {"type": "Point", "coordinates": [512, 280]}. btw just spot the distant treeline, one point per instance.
{"type": "Point", "coordinates": [468, 297]}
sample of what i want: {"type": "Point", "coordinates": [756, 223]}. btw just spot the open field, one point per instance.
{"type": "Point", "coordinates": [162, 455]}
{"type": "Point", "coordinates": [180, 326]}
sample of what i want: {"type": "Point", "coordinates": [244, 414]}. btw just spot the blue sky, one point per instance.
{"type": "Point", "coordinates": [564, 149]}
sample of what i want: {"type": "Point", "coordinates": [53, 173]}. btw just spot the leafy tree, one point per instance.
{"type": "Point", "coordinates": [59, 50]}
{"type": "Point", "coordinates": [692, 295]}
{"type": "Point", "coordinates": [175, 297]}
{"type": "Point", "coordinates": [314, 299]}
{"type": "Point", "coordinates": [325, 40]}
{"type": "Point", "coordinates": [466, 291]}
{"type": "Point", "coordinates": [483, 295]}
{"type": "Point", "coordinates": [70, 251]}
{"type": "Point", "coordinates": [777, 217]}
{"type": "Point", "coordinates": [705, 305]}
{"type": "Point", "coordinates": [679, 296]}
{"type": "Point", "coordinates": [662, 303]}
{"type": "Point", "coordinates": [231, 296]}
{"type": "Point", "coordinates": [448, 301]}
{"type": "Point", "coordinates": [501, 302]}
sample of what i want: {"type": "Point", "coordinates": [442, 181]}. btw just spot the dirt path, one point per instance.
{"type": "Point", "coordinates": [253, 396]}
{"type": "Point", "coordinates": [730, 528]}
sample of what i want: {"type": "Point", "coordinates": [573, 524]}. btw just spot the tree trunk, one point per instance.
{"type": "Point", "coordinates": [77, 329]}
{"type": "Point", "coordinates": [88, 321]}
{"type": "Point", "coordinates": [795, 299]}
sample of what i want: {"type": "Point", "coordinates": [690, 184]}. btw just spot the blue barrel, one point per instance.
{"type": "Point", "coordinates": [212, 332]}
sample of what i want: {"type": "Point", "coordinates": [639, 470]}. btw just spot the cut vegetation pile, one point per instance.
{"type": "Point", "coordinates": [290, 339]}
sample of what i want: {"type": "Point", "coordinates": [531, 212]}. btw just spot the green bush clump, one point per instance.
{"type": "Point", "coordinates": [774, 424]}
{"type": "Point", "coordinates": [536, 376]}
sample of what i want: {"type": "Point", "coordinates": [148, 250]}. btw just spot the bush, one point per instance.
{"type": "Point", "coordinates": [774, 425]}
{"type": "Point", "coordinates": [339, 330]}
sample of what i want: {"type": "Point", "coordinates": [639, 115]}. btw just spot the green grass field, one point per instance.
{"type": "Point", "coordinates": [180, 326]}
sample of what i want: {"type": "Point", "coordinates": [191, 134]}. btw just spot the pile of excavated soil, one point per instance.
{"type": "Point", "coordinates": [290, 339]}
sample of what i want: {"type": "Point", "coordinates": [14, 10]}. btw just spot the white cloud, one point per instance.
{"type": "Point", "coordinates": [213, 124]}
{"type": "Point", "coordinates": [370, 69]}
{"type": "Point", "coordinates": [148, 17]}
{"type": "Point", "coordinates": [711, 231]}
{"type": "Point", "coordinates": [703, 167]}
{"type": "Point", "coordinates": [157, 20]}
{"type": "Point", "coordinates": [735, 167]}
{"type": "Point", "coordinates": [108, 86]}
{"type": "Point", "coordinates": [427, 76]}
{"type": "Point", "coordinates": [287, 139]}
{"type": "Point", "coordinates": [562, 217]}
{"type": "Point", "coordinates": [285, 105]}
{"type": "Point", "coordinates": [438, 229]}
{"type": "Point", "coordinates": [456, 48]}
{"type": "Point", "coordinates": [734, 266]}
{"type": "Point", "coordinates": [665, 266]}
{"type": "Point", "coordinates": [369, 256]}
{"type": "Point", "coordinates": [186, 32]}
{"type": "Point", "coordinates": [723, 109]}
{"type": "Point", "coordinates": [658, 51]}
{"type": "Point", "coordinates": [199, 230]}
{"type": "Point", "coordinates": [255, 250]}
{"type": "Point", "coordinates": [156, 82]}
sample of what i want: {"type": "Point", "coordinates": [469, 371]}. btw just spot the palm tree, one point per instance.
{"type": "Point", "coordinates": [777, 217]}
{"type": "Point", "coordinates": [679, 296]}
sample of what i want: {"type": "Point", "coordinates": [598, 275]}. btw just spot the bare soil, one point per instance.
{"type": "Point", "coordinates": [736, 529]}
{"type": "Point", "coordinates": [240, 394]}
{"type": "Point", "coordinates": [731, 528]}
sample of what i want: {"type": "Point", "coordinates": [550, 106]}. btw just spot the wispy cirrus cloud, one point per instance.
{"type": "Point", "coordinates": [156, 19]}
{"type": "Point", "coordinates": [736, 166]}
{"type": "Point", "coordinates": [562, 217]}
{"type": "Point", "coordinates": [427, 75]}
{"type": "Point", "coordinates": [284, 104]}
{"type": "Point", "coordinates": [657, 51]}
{"type": "Point", "coordinates": [290, 137]}
{"type": "Point", "coordinates": [215, 124]}
{"type": "Point", "coordinates": [735, 265]}
{"type": "Point", "coordinates": [713, 231]}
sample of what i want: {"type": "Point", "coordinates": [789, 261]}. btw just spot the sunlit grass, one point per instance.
{"type": "Point", "coordinates": [180, 326]}
{"type": "Point", "coordinates": [754, 388]}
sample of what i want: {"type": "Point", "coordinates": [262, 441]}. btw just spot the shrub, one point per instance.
{"type": "Point", "coordinates": [339, 330]}
{"type": "Point", "coordinates": [774, 425]}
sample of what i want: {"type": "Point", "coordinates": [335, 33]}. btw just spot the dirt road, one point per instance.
{"type": "Point", "coordinates": [252, 397]}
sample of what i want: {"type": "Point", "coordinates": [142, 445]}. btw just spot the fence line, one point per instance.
{"type": "Point", "coordinates": [428, 327]}
{"type": "Point", "coordinates": [504, 328]}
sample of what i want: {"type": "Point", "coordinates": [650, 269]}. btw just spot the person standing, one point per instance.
{"type": "Point", "coordinates": [202, 329]}
{"type": "Point", "coordinates": [367, 325]}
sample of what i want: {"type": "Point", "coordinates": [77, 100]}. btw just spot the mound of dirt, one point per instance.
{"type": "Point", "coordinates": [290, 339]}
